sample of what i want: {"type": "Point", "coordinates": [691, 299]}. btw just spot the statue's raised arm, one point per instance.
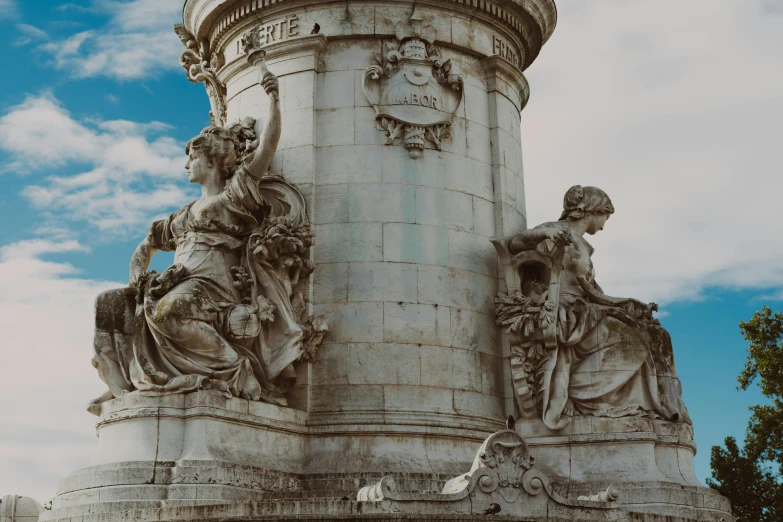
{"type": "Point", "coordinates": [259, 161]}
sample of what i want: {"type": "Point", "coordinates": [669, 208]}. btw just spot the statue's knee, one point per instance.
{"type": "Point", "coordinates": [169, 309]}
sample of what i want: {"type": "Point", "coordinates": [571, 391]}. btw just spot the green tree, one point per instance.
{"type": "Point", "coordinates": [751, 478]}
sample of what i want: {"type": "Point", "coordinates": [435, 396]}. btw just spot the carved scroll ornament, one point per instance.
{"type": "Point", "coordinates": [502, 481]}
{"type": "Point", "coordinates": [201, 66]}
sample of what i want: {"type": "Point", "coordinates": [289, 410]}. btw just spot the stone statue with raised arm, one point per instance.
{"type": "Point", "coordinates": [575, 350]}
{"type": "Point", "coordinates": [225, 315]}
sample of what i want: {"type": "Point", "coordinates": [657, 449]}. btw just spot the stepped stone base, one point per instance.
{"type": "Point", "coordinates": [202, 456]}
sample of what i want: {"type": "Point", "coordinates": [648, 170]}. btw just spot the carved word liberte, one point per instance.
{"type": "Point", "coordinates": [277, 31]}
{"type": "Point", "coordinates": [504, 50]}
{"type": "Point", "coordinates": [413, 98]}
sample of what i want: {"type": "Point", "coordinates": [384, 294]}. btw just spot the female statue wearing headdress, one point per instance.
{"type": "Point", "coordinates": [611, 358]}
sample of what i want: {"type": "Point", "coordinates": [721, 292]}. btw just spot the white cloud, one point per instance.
{"type": "Point", "coordinates": [30, 34]}
{"type": "Point", "coordinates": [679, 121]}
{"type": "Point", "coordinates": [138, 42]}
{"type": "Point", "coordinates": [142, 14]}
{"type": "Point", "coordinates": [8, 9]}
{"type": "Point", "coordinates": [45, 313]}
{"type": "Point", "coordinates": [134, 172]}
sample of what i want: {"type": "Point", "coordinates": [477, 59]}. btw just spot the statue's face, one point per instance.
{"type": "Point", "coordinates": [198, 167]}
{"type": "Point", "coordinates": [597, 222]}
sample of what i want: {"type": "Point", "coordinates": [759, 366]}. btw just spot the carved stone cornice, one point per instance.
{"type": "Point", "coordinates": [533, 21]}
{"type": "Point", "coordinates": [505, 78]}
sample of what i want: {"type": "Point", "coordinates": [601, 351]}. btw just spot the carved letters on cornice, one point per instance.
{"type": "Point", "coordinates": [415, 94]}
{"type": "Point", "coordinates": [200, 67]}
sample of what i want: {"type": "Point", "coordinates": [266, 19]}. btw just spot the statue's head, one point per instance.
{"type": "Point", "coordinates": [590, 203]}
{"type": "Point", "coordinates": [211, 153]}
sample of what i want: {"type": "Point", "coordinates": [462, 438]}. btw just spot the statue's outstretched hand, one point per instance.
{"type": "Point", "coordinates": [271, 85]}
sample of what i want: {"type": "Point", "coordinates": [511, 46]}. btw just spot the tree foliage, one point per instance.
{"type": "Point", "coordinates": [751, 477]}
{"type": "Point", "coordinates": [751, 486]}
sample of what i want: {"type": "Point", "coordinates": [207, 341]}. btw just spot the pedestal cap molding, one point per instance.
{"type": "Point", "coordinates": [532, 21]}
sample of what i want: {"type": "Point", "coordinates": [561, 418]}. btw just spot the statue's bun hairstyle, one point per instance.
{"type": "Point", "coordinates": [580, 201]}
{"type": "Point", "coordinates": [218, 145]}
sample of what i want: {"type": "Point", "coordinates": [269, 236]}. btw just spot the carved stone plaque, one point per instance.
{"type": "Point", "coordinates": [415, 94]}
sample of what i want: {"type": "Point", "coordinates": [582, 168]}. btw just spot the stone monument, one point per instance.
{"type": "Point", "coordinates": [336, 338]}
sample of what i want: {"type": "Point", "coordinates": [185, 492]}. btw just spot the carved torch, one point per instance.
{"type": "Point", "coordinates": [251, 44]}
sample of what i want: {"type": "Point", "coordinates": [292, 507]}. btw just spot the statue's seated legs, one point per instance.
{"type": "Point", "coordinates": [608, 373]}
{"type": "Point", "coordinates": [187, 318]}
{"type": "Point", "coordinates": [186, 325]}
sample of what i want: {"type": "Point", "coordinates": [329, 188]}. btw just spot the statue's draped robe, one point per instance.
{"type": "Point", "coordinates": [606, 362]}
{"type": "Point", "coordinates": [166, 360]}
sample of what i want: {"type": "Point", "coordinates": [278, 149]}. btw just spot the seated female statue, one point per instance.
{"type": "Point", "coordinates": [221, 317]}
{"type": "Point", "coordinates": [612, 358]}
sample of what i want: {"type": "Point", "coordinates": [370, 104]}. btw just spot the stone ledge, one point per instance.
{"type": "Point", "coordinates": [332, 510]}
{"type": "Point", "coordinates": [588, 425]}
{"type": "Point", "coordinates": [184, 472]}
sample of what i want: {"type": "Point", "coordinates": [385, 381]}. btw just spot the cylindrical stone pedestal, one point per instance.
{"type": "Point", "coordinates": [411, 376]}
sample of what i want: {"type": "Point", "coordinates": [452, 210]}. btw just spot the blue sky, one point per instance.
{"type": "Point", "coordinates": [673, 108]}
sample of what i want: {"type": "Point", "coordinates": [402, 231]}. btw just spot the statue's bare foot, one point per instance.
{"type": "Point", "coordinates": [568, 411]}
{"type": "Point", "coordinates": [94, 406]}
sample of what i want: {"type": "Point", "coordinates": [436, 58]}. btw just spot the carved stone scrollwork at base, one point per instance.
{"type": "Point", "coordinates": [503, 480]}
{"type": "Point", "coordinates": [415, 94]}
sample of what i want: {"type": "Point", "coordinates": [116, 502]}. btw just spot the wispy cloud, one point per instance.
{"type": "Point", "coordinates": [680, 130]}
{"type": "Point", "coordinates": [137, 42]}
{"type": "Point", "coordinates": [8, 9]}
{"type": "Point", "coordinates": [77, 7]}
{"type": "Point", "coordinates": [134, 171]}
{"type": "Point", "coordinates": [30, 34]}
